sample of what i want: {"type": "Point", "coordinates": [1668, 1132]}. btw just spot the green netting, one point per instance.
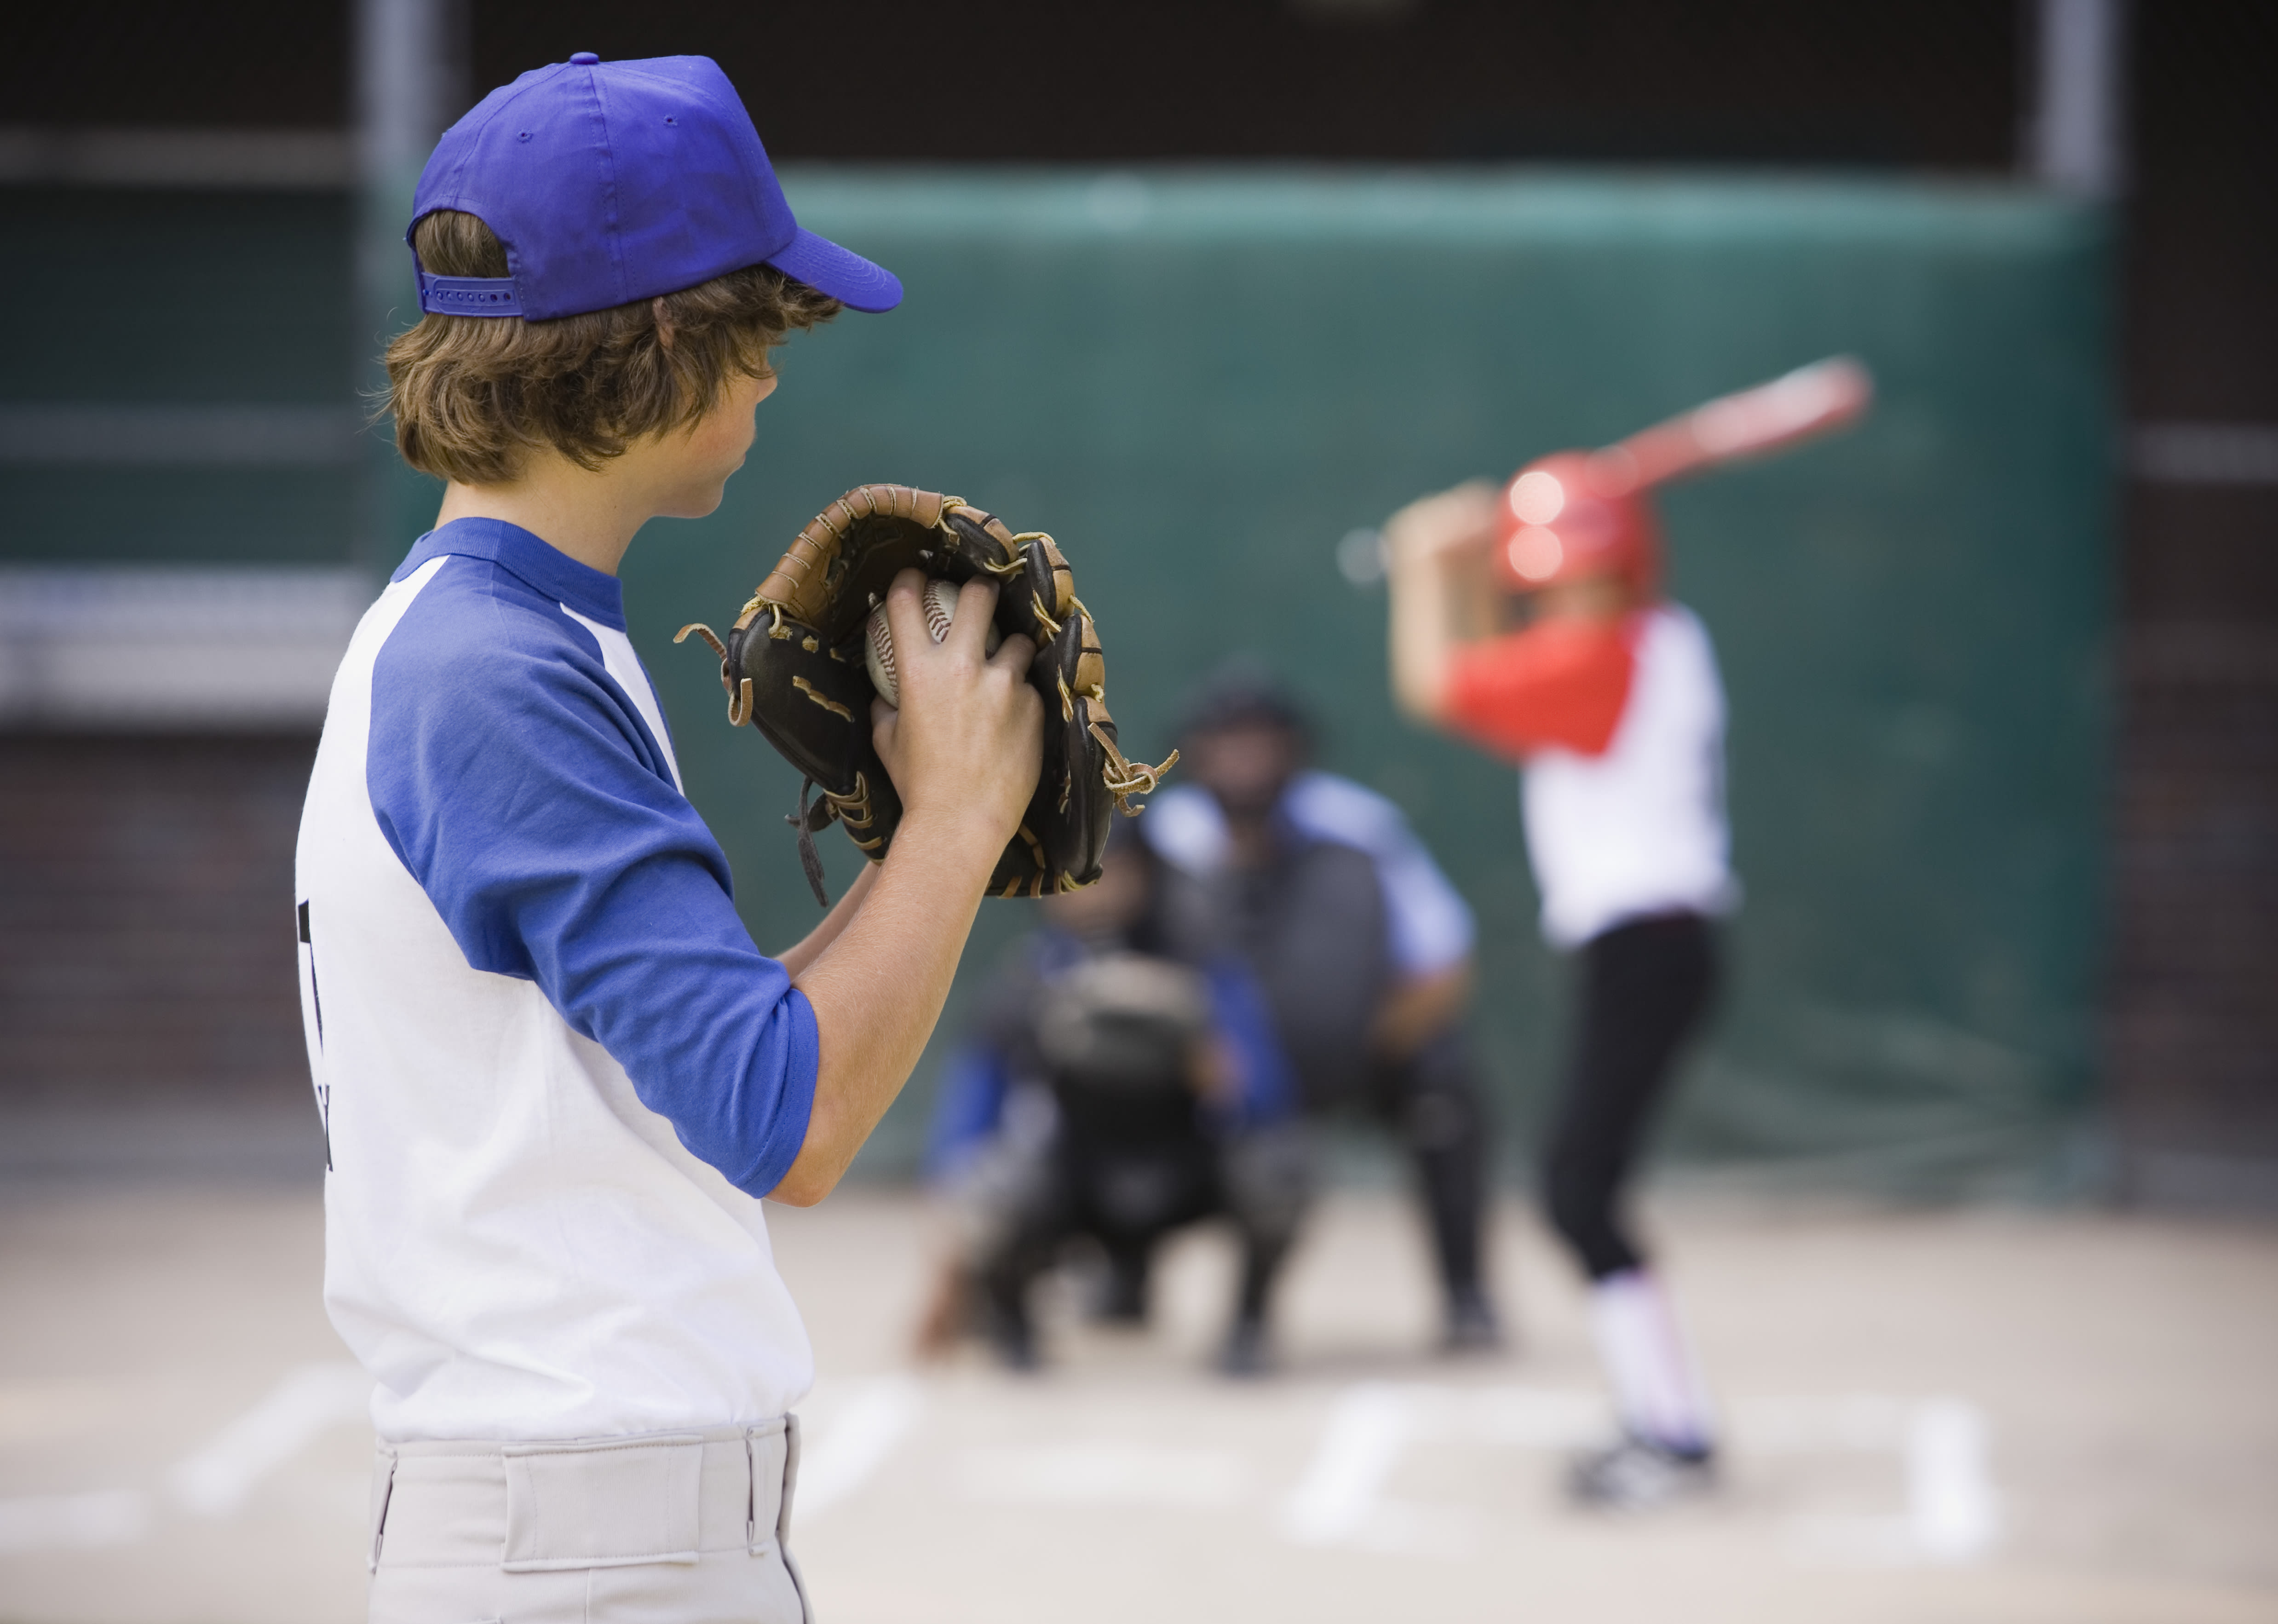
{"type": "Point", "coordinates": [177, 299]}
{"type": "Point", "coordinates": [1200, 381]}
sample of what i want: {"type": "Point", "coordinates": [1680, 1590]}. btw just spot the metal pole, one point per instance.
{"type": "Point", "coordinates": [2075, 142]}
{"type": "Point", "coordinates": [411, 83]}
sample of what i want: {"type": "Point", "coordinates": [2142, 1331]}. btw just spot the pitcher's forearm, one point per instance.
{"type": "Point", "coordinates": [798, 959]}
{"type": "Point", "coordinates": [879, 988]}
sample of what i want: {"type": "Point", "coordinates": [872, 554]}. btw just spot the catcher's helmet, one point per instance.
{"type": "Point", "coordinates": [1574, 514]}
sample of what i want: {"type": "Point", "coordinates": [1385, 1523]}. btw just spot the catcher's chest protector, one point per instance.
{"type": "Point", "coordinates": [793, 665]}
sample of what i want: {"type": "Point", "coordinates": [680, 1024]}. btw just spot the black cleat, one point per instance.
{"type": "Point", "coordinates": [1244, 1355]}
{"type": "Point", "coordinates": [1121, 1298]}
{"type": "Point", "coordinates": [1012, 1339]}
{"type": "Point", "coordinates": [1473, 1327]}
{"type": "Point", "coordinates": [1636, 1475]}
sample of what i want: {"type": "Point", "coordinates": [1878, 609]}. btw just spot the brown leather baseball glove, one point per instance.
{"type": "Point", "coordinates": [793, 668]}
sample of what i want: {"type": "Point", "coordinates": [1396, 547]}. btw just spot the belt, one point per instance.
{"type": "Point", "coordinates": [661, 1497]}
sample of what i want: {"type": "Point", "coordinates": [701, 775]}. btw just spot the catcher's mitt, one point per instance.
{"type": "Point", "coordinates": [793, 668]}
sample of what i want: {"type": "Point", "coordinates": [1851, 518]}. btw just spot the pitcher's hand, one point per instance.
{"type": "Point", "coordinates": [965, 745]}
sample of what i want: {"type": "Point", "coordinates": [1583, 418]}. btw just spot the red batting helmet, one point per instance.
{"type": "Point", "coordinates": [1574, 514]}
{"type": "Point", "coordinates": [1579, 513]}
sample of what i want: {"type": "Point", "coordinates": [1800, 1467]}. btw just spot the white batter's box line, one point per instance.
{"type": "Point", "coordinates": [1945, 1445]}
{"type": "Point", "coordinates": [859, 1432]}
{"type": "Point", "coordinates": [1109, 1472]}
{"type": "Point", "coordinates": [87, 1521]}
{"type": "Point", "coordinates": [1953, 1513]}
{"type": "Point", "coordinates": [310, 1400]}
{"type": "Point", "coordinates": [1817, 1426]}
{"type": "Point", "coordinates": [1952, 1504]}
{"type": "Point", "coordinates": [1339, 1500]}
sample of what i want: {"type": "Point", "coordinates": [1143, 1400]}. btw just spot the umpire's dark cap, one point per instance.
{"type": "Point", "coordinates": [1244, 692]}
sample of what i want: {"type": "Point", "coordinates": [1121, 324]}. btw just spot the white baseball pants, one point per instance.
{"type": "Point", "coordinates": [685, 1525]}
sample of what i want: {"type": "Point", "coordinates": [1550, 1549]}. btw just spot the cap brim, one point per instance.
{"type": "Point", "coordinates": [846, 277]}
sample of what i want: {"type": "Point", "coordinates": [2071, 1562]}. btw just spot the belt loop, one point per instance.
{"type": "Point", "coordinates": [750, 1494]}
{"type": "Point", "coordinates": [383, 1491]}
{"type": "Point", "coordinates": [789, 1480]}
{"type": "Point", "coordinates": [783, 1518]}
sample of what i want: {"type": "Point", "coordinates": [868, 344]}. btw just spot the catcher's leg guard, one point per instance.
{"type": "Point", "coordinates": [1269, 1180]}
{"type": "Point", "coordinates": [1037, 1213]}
{"type": "Point", "coordinates": [1436, 1106]}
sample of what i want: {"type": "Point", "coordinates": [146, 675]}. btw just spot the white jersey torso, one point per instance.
{"type": "Point", "coordinates": [1639, 830]}
{"type": "Point", "coordinates": [517, 1247]}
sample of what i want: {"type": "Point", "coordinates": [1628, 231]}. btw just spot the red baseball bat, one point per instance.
{"type": "Point", "coordinates": [1812, 400]}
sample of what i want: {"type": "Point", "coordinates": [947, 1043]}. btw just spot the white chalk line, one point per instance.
{"type": "Point", "coordinates": [863, 1430]}
{"type": "Point", "coordinates": [1955, 1509]}
{"type": "Point", "coordinates": [74, 1522]}
{"type": "Point", "coordinates": [1951, 1515]}
{"type": "Point", "coordinates": [1340, 1500]}
{"type": "Point", "coordinates": [1369, 1428]}
{"type": "Point", "coordinates": [1109, 1473]}
{"type": "Point", "coordinates": [1953, 1512]}
{"type": "Point", "coordinates": [213, 1481]}
{"type": "Point", "coordinates": [217, 1480]}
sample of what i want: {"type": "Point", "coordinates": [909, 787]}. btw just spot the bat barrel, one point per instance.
{"type": "Point", "coordinates": [1811, 400]}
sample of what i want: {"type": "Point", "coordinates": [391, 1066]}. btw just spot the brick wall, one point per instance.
{"type": "Point", "coordinates": [146, 916]}
{"type": "Point", "coordinates": [2193, 1053]}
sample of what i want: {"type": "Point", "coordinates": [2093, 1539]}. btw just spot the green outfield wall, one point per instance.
{"type": "Point", "coordinates": [1200, 381]}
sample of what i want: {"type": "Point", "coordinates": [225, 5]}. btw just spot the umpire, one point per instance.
{"type": "Point", "coordinates": [1362, 947]}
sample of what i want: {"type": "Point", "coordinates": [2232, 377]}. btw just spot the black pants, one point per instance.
{"type": "Point", "coordinates": [1433, 1101]}
{"type": "Point", "coordinates": [1130, 1198]}
{"type": "Point", "coordinates": [1645, 987]}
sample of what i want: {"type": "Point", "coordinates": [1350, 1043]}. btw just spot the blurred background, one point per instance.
{"type": "Point", "coordinates": [1201, 290]}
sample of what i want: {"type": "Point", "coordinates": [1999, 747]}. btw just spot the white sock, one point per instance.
{"type": "Point", "coordinates": [1657, 1385]}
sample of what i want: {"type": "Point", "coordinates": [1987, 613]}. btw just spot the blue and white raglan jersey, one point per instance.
{"type": "Point", "coordinates": [557, 1073]}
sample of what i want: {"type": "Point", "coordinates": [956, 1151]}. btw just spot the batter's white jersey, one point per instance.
{"type": "Point", "coordinates": [1640, 828]}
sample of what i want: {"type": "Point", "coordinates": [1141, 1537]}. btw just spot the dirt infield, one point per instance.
{"type": "Point", "coordinates": [1968, 1415]}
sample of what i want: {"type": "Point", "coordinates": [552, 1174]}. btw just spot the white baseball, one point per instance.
{"type": "Point", "coordinates": [939, 601]}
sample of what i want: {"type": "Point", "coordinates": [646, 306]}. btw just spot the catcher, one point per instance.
{"type": "Point", "coordinates": [557, 1076]}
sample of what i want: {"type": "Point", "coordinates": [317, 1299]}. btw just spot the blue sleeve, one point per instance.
{"type": "Point", "coordinates": [1268, 1092]}
{"type": "Point", "coordinates": [968, 1111]}
{"type": "Point", "coordinates": [519, 787]}
{"type": "Point", "coordinates": [1430, 924]}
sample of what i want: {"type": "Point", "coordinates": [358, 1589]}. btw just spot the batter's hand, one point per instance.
{"type": "Point", "coordinates": [1440, 529]}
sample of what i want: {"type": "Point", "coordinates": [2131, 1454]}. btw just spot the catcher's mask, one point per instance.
{"type": "Point", "coordinates": [1576, 514]}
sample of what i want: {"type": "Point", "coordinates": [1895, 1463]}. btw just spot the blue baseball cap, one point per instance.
{"type": "Point", "coordinates": [613, 182]}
